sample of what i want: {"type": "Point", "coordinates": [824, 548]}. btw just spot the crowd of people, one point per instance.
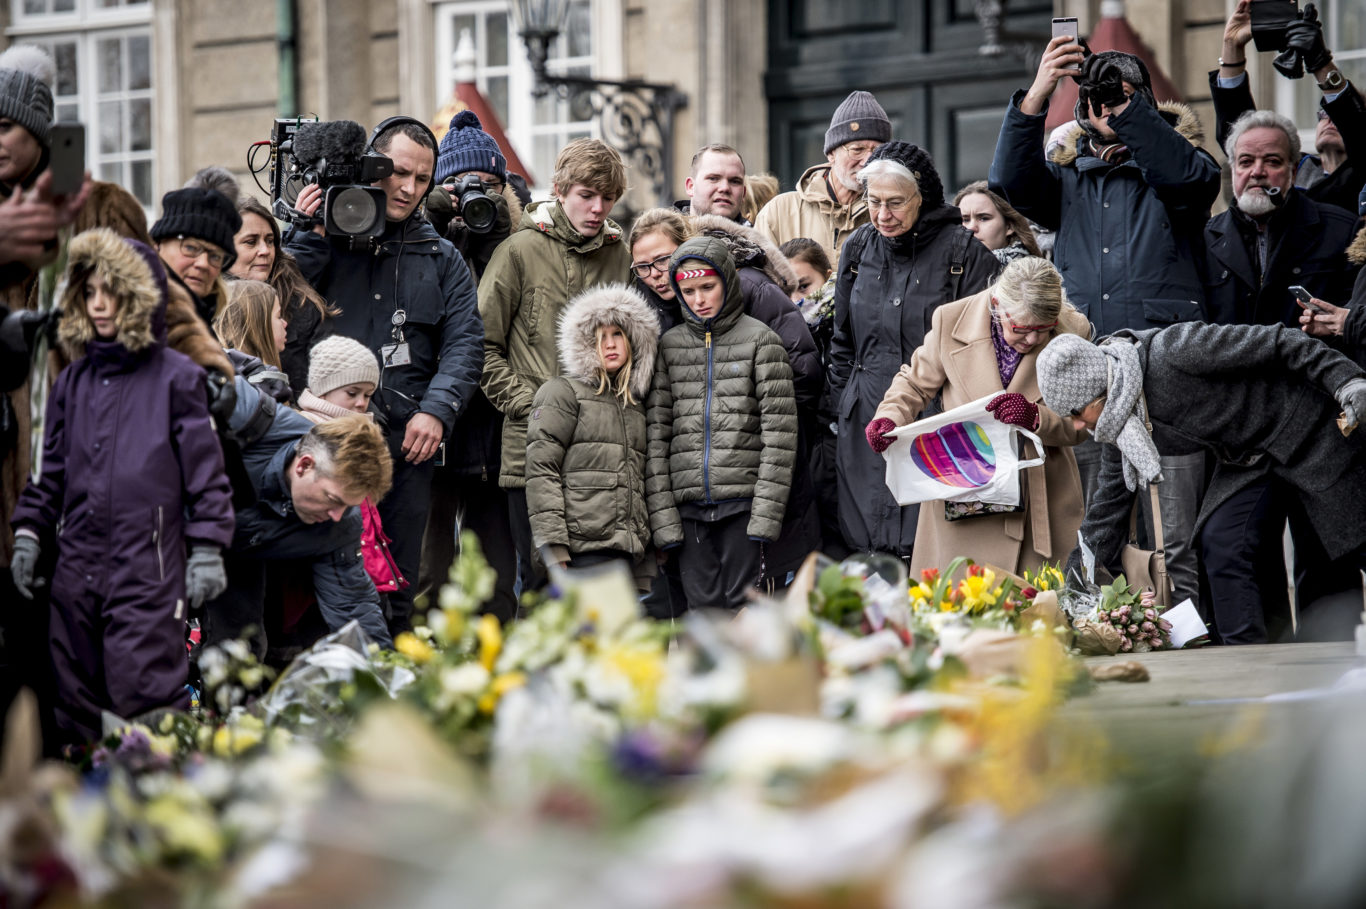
{"type": "Point", "coordinates": [262, 432]}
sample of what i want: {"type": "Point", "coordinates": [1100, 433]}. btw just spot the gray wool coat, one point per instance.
{"type": "Point", "coordinates": [1260, 399]}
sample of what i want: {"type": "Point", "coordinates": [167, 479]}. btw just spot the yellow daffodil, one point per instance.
{"type": "Point", "coordinates": [414, 648]}
{"type": "Point", "coordinates": [642, 666]}
{"type": "Point", "coordinates": [501, 685]}
{"type": "Point", "coordinates": [490, 634]}
{"type": "Point", "coordinates": [979, 592]}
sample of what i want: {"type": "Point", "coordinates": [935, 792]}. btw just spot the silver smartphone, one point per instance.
{"type": "Point", "coordinates": [1305, 298]}
{"type": "Point", "coordinates": [1068, 26]}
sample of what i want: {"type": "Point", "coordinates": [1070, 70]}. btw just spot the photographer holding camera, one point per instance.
{"type": "Point", "coordinates": [475, 207]}
{"type": "Point", "coordinates": [408, 295]}
{"type": "Point", "coordinates": [1128, 190]}
{"type": "Point", "coordinates": [1335, 175]}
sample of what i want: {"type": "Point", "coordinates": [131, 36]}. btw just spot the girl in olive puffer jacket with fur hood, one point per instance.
{"type": "Point", "coordinates": [585, 450]}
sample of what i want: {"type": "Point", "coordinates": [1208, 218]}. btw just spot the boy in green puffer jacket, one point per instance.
{"type": "Point", "coordinates": [722, 432]}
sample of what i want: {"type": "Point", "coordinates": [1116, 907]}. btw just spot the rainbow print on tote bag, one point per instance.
{"type": "Point", "coordinates": [964, 455]}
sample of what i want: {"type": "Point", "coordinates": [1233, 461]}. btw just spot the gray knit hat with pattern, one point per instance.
{"type": "Point", "coordinates": [859, 117]}
{"type": "Point", "coordinates": [1072, 373]}
{"type": "Point", "coordinates": [26, 77]}
{"type": "Point", "coordinates": [337, 361]}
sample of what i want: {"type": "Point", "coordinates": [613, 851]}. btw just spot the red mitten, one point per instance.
{"type": "Point", "coordinates": [1015, 409]}
{"type": "Point", "coordinates": [876, 433]}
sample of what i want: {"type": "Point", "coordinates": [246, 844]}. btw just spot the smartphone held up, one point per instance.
{"type": "Point", "coordinates": [67, 162]}
{"type": "Point", "coordinates": [1067, 27]}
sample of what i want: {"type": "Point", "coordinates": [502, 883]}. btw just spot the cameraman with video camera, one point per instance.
{"type": "Point", "coordinates": [407, 294]}
{"type": "Point", "coordinates": [1336, 174]}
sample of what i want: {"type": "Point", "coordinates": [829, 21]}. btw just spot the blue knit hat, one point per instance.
{"type": "Point", "coordinates": [467, 147]}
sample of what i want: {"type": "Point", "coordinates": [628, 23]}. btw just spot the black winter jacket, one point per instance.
{"type": "Point", "coordinates": [1307, 244]}
{"type": "Point", "coordinates": [407, 268]}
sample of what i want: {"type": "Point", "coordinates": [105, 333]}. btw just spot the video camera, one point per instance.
{"type": "Point", "coordinates": [332, 154]}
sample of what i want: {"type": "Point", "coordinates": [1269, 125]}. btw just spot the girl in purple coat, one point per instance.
{"type": "Point", "coordinates": [132, 493]}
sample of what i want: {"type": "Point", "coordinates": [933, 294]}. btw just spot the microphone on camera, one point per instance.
{"type": "Point", "coordinates": [331, 139]}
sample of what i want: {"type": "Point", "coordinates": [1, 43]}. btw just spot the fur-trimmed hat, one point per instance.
{"type": "Point", "coordinates": [859, 116]}
{"type": "Point", "coordinates": [918, 161]}
{"type": "Point", "coordinates": [467, 147]}
{"type": "Point", "coordinates": [611, 304]}
{"type": "Point", "coordinates": [205, 214]}
{"type": "Point", "coordinates": [338, 361]}
{"type": "Point", "coordinates": [27, 74]}
{"type": "Point", "coordinates": [133, 274]}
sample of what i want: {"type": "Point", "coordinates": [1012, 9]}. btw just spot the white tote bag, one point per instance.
{"type": "Point", "coordinates": [963, 455]}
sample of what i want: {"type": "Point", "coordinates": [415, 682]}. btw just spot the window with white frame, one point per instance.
{"type": "Point", "coordinates": [103, 52]}
{"type": "Point", "coordinates": [537, 127]}
{"type": "Point", "coordinates": [1344, 31]}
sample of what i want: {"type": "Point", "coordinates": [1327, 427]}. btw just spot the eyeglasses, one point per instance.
{"type": "Point", "coordinates": [859, 149]}
{"type": "Point", "coordinates": [1077, 411]}
{"type": "Point", "coordinates": [1321, 114]}
{"type": "Point", "coordinates": [193, 249]}
{"type": "Point", "coordinates": [892, 205]}
{"type": "Point", "coordinates": [1032, 329]}
{"type": "Point", "coordinates": [643, 269]}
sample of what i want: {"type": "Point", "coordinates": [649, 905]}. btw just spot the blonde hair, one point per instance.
{"type": "Point", "coordinates": [1014, 220]}
{"type": "Point", "coordinates": [759, 191]}
{"type": "Point", "coordinates": [666, 221]}
{"type": "Point", "coordinates": [352, 451]}
{"type": "Point", "coordinates": [1030, 291]}
{"type": "Point", "coordinates": [623, 376]}
{"type": "Point", "coordinates": [244, 323]}
{"type": "Point", "coordinates": [592, 163]}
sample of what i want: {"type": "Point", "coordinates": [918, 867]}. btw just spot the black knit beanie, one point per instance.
{"type": "Point", "coordinates": [918, 161]}
{"type": "Point", "coordinates": [204, 214]}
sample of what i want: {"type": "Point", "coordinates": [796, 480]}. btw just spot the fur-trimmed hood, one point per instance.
{"type": "Point", "coordinates": [1356, 252]}
{"type": "Point", "coordinates": [749, 248]}
{"type": "Point", "coordinates": [610, 304]}
{"type": "Point", "coordinates": [1181, 117]}
{"type": "Point", "coordinates": [133, 274]}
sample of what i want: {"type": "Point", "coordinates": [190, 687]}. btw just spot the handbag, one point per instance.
{"type": "Point", "coordinates": [1147, 567]}
{"type": "Point", "coordinates": [962, 455]}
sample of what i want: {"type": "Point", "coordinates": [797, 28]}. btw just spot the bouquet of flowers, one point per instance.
{"type": "Point", "coordinates": [1134, 615]}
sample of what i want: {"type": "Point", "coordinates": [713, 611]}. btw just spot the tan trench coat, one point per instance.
{"type": "Point", "coordinates": [959, 359]}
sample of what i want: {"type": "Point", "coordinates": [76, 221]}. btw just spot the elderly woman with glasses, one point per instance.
{"type": "Point", "coordinates": [893, 274]}
{"type": "Point", "coordinates": [194, 238]}
{"type": "Point", "coordinates": [983, 345]}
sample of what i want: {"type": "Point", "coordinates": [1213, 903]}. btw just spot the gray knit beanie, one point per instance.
{"type": "Point", "coordinates": [859, 117]}
{"type": "Point", "coordinates": [27, 74]}
{"type": "Point", "coordinates": [1072, 373]}
{"type": "Point", "coordinates": [337, 361]}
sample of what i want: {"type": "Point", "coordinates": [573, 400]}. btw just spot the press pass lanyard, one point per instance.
{"type": "Point", "coordinates": [395, 353]}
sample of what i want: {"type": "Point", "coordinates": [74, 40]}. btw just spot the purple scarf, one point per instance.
{"type": "Point", "coordinates": [1007, 358]}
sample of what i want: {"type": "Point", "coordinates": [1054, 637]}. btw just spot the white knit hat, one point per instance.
{"type": "Point", "coordinates": [336, 362]}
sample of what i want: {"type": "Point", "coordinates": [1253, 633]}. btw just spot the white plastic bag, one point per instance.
{"type": "Point", "coordinates": [964, 455]}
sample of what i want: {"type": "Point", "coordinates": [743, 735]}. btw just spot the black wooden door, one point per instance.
{"type": "Point", "coordinates": [919, 57]}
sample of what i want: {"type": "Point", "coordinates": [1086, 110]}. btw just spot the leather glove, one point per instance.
{"type": "Point", "coordinates": [1352, 397]}
{"type": "Point", "coordinates": [1102, 84]}
{"type": "Point", "coordinates": [1305, 36]}
{"type": "Point", "coordinates": [204, 575]}
{"type": "Point", "coordinates": [24, 564]}
{"type": "Point", "coordinates": [1015, 409]}
{"type": "Point", "coordinates": [876, 434]}
{"type": "Point", "coordinates": [440, 209]}
{"type": "Point", "coordinates": [222, 396]}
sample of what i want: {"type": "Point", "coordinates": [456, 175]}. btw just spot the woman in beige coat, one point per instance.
{"type": "Point", "coordinates": [976, 346]}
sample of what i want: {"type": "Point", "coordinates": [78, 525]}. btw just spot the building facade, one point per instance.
{"type": "Point", "coordinates": [168, 86]}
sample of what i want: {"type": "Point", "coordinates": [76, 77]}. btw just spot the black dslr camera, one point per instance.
{"type": "Point", "coordinates": [333, 155]}
{"type": "Point", "coordinates": [473, 203]}
{"type": "Point", "coordinates": [1269, 21]}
